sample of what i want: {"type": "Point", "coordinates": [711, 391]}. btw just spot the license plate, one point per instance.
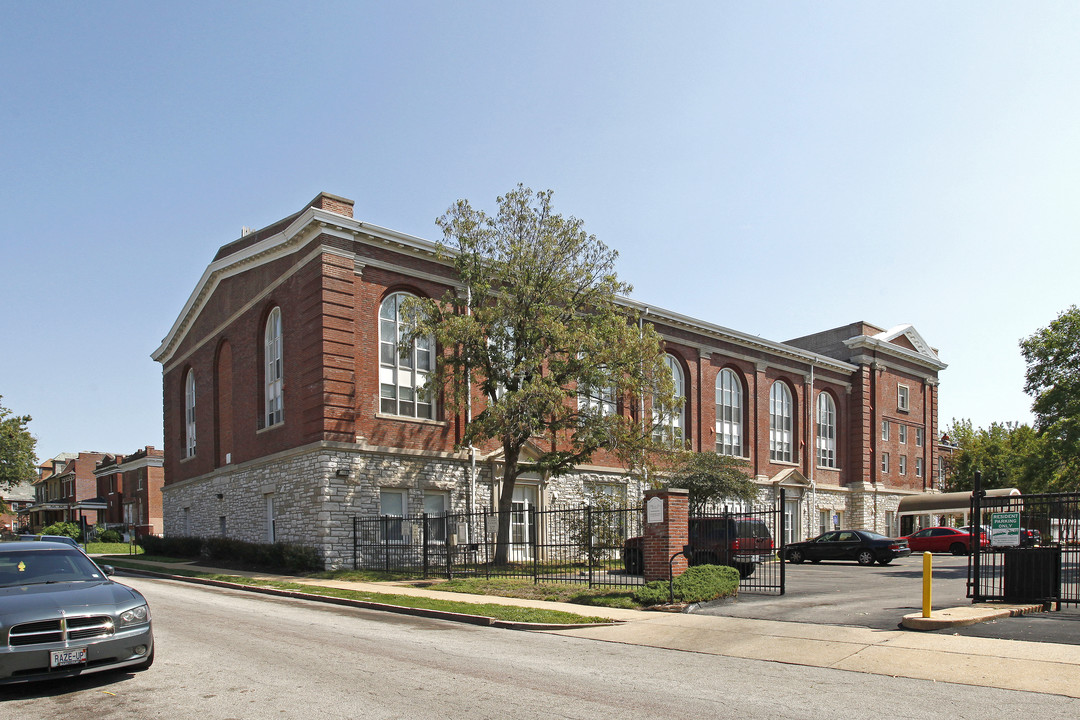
{"type": "Point", "coordinates": [71, 656]}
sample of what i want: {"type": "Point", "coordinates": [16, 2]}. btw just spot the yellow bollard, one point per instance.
{"type": "Point", "coordinates": [927, 575]}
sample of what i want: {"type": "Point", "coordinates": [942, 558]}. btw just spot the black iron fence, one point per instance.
{"type": "Point", "coordinates": [580, 544]}
{"type": "Point", "coordinates": [568, 545]}
{"type": "Point", "coordinates": [1039, 560]}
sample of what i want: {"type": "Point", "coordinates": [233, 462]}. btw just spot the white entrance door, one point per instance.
{"type": "Point", "coordinates": [522, 527]}
{"type": "Point", "coordinates": [792, 527]}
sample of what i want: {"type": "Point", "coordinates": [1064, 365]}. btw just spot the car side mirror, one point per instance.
{"type": "Point", "coordinates": [108, 569]}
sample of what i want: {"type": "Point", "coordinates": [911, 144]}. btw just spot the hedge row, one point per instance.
{"type": "Point", "coordinates": [256, 556]}
{"type": "Point", "coordinates": [700, 583]}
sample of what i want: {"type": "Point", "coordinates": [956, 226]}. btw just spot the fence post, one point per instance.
{"type": "Point", "coordinates": [974, 567]}
{"type": "Point", "coordinates": [589, 543]}
{"type": "Point", "coordinates": [355, 546]}
{"type": "Point", "coordinates": [424, 540]}
{"type": "Point", "coordinates": [534, 538]}
{"type": "Point", "coordinates": [783, 541]}
{"type": "Point", "coordinates": [487, 547]}
{"type": "Point", "coordinates": [386, 542]}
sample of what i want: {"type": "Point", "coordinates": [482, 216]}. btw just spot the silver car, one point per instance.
{"type": "Point", "coordinates": [61, 615]}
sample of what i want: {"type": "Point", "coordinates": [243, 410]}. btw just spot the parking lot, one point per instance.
{"type": "Point", "coordinates": [845, 593]}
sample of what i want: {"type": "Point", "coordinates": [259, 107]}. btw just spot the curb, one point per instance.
{"type": "Point", "coordinates": [963, 616]}
{"type": "Point", "coordinates": [481, 620]}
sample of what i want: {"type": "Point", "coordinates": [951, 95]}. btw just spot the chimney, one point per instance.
{"type": "Point", "coordinates": [333, 203]}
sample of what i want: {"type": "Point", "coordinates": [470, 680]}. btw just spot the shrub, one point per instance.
{"type": "Point", "coordinates": [68, 529]}
{"type": "Point", "coordinates": [700, 583]}
{"type": "Point", "coordinates": [110, 536]}
{"type": "Point", "coordinates": [172, 546]}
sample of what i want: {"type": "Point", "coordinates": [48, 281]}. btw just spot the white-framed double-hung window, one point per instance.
{"type": "Point", "coordinates": [273, 369]}
{"type": "Point", "coordinates": [729, 433]}
{"type": "Point", "coordinates": [189, 414]}
{"type": "Point", "coordinates": [392, 506]}
{"type": "Point", "coordinates": [402, 374]}
{"type": "Point", "coordinates": [436, 503]}
{"type": "Point", "coordinates": [826, 431]}
{"type": "Point", "coordinates": [669, 423]}
{"type": "Point", "coordinates": [780, 423]}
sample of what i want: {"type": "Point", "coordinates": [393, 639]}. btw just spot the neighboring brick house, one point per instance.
{"type": "Point", "coordinates": [66, 491]}
{"type": "Point", "coordinates": [131, 487]}
{"type": "Point", "coordinates": [16, 500]}
{"type": "Point", "coordinates": [287, 410]}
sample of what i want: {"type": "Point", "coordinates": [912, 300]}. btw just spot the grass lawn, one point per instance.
{"type": "Point", "coordinates": [557, 592]}
{"type": "Point", "coordinates": [500, 612]}
{"type": "Point", "coordinates": [120, 548]}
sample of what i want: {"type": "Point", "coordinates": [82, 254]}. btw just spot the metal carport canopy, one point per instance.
{"type": "Point", "coordinates": [954, 502]}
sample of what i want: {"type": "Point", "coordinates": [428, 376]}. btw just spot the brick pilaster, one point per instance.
{"type": "Point", "coordinates": [666, 535]}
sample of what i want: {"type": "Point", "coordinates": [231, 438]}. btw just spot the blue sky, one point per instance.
{"type": "Point", "coordinates": [776, 168]}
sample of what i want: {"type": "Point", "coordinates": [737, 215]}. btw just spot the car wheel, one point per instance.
{"type": "Point", "coordinates": [632, 561]}
{"type": "Point", "coordinates": [145, 665]}
{"type": "Point", "coordinates": [958, 549]}
{"type": "Point", "coordinates": [866, 557]}
{"type": "Point", "coordinates": [795, 556]}
{"type": "Point", "coordinates": [745, 570]}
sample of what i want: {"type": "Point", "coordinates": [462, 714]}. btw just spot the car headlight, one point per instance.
{"type": "Point", "coordinates": [135, 616]}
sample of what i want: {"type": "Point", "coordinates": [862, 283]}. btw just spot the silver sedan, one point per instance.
{"type": "Point", "coordinates": [61, 615]}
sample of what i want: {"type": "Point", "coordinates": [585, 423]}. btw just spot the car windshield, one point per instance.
{"type": "Point", "coordinates": [32, 567]}
{"type": "Point", "coordinates": [749, 528]}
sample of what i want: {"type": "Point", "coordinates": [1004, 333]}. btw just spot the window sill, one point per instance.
{"type": "Point", "coordinates": [268, 428]}
{"type": "Point", "coordinates": [831, 468]}
{"type": "Point", "coordinates": [789, 463]}
{"type": "Point", "coordinates": [187, 458]}
{"type": "Point", "coordinates": [406, 418]}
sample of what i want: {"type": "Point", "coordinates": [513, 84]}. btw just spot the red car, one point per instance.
{"type": "Point", "coordinates": [941, 540]}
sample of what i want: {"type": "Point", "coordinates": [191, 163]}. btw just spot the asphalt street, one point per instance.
{"type": "Point", "coordinates": [230, 654]}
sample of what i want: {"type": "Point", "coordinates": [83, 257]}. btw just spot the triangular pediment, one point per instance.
{"type": "Point", "coordinates": [530, 453]}
{"type": "Point", "coordinates": [791, 477]}
{"type": "Point", "coordinates": [907, 337]}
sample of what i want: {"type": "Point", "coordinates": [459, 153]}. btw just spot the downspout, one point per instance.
{"type": "Point", "coordinates": [641, 401]}
{"type": "Point", "coordinates": [813, 458]}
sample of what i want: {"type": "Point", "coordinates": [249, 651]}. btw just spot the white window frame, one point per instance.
{"type": "Point", "coordinates": [885, 463]}
{"type": "Point", "coordinates": [436, 516]}
{"type": "Point", "coordinates": [918, 437]}
{"type": "Point", "coordinates": [903, 398]}
{"type": "Point", "coordinates": [597, 399]}
{"type": "Point", "coordinates": [903, 434]}
{"type": "Point", "coordinates": [781, 423]}
{"type": "Point", "coordinates": [670, 428]}
{"type": "Point", "coordinates": [401, 379]}
{"type": "Point", "coordinates": [271, 519]}
{"type": "Point", "coordinates": [395, 530]}
{"type": "Point", "coordinates": [729, 420]}
{"type": "Point", "coordinates": [189, 414]}
{"type": "Point", "coordinates": [903, 465]}
{"type": "Point", "coordinates": [274, 369]}
{"type": "Point", "coordinates": [884, 429]}
{"type": "Point", "coordinates": [918, 467]}
{"type": "Point", "coordinates": [826, 431]}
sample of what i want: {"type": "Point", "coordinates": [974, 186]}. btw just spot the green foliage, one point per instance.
{"type": "Point", "coordinates": [228, 551]}
{"type": "Point", "coordinates": [1007, 454]}
{"type": "Point", "coordinates": [600, 531]}
{"type": "Point", "coordinates": [1052, 354]}
{"type": "Point", "coordinates": [540, 319]}
{"type": "Point", "coordinates": [711, 478]}
{"type": "Point", "coordinates": [18, 459]}
{"type": "Point", "coordinates": [700, 583]}
{"type": "Point", "coordinates": [67, 529]}
{"type": "Point", "coordinates": [110, 536]}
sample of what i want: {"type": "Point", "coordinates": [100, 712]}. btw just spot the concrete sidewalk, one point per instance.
{"type": "Point", "coordinates": [1005, 664]}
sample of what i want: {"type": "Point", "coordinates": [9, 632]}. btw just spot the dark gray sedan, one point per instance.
{"type": "Point", "coordinates": [61, 615]}
{"type": "Point", "coordinates": [863, 546]}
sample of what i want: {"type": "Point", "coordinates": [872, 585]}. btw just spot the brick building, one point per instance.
{"type": "Point", "coordinates": [287, 410]}
{"type": "Point", "coordinates": [131, 487]}
{"type": "Point", "coordinates": [66, 491]}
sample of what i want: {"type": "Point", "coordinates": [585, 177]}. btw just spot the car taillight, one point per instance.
{"type": "Point", "coordinates": [735, 544]}
{"type": "Point", "coordinates": [768, 544]}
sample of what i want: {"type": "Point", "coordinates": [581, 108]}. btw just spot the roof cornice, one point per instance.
{"type": "Point", "coordinates": [867, 342]}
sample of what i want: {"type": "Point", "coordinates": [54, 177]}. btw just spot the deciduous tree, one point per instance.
{"type": "Point", "coordinates": [538, 332]}
{"type": "Point", "coordinates": [18, 460]}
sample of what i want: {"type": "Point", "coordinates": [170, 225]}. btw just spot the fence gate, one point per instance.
{"type": "Point", "coordinates": [751, 541]}
{"type": "Point", "coordinates": [1031, 551]}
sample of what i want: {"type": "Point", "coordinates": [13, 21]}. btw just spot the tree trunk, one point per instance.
{"type": "Point", "coordinates": [506, 505]}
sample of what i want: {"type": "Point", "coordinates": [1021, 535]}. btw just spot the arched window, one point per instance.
{"type": "Point", "coordinates": [780, 425]}
{"type": "Point", "coordinates": [826, 430]}
{"type": "Point", "coordinates": [273, 368]}
{"type": "Point", "coordinates": [669, 427]}
{"type": "Point", "coordinates": [402, 375]}
{"type": "Point", "coordinates": [729, 440]}
{"type": "Point", "coordinates": [189, 414]}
